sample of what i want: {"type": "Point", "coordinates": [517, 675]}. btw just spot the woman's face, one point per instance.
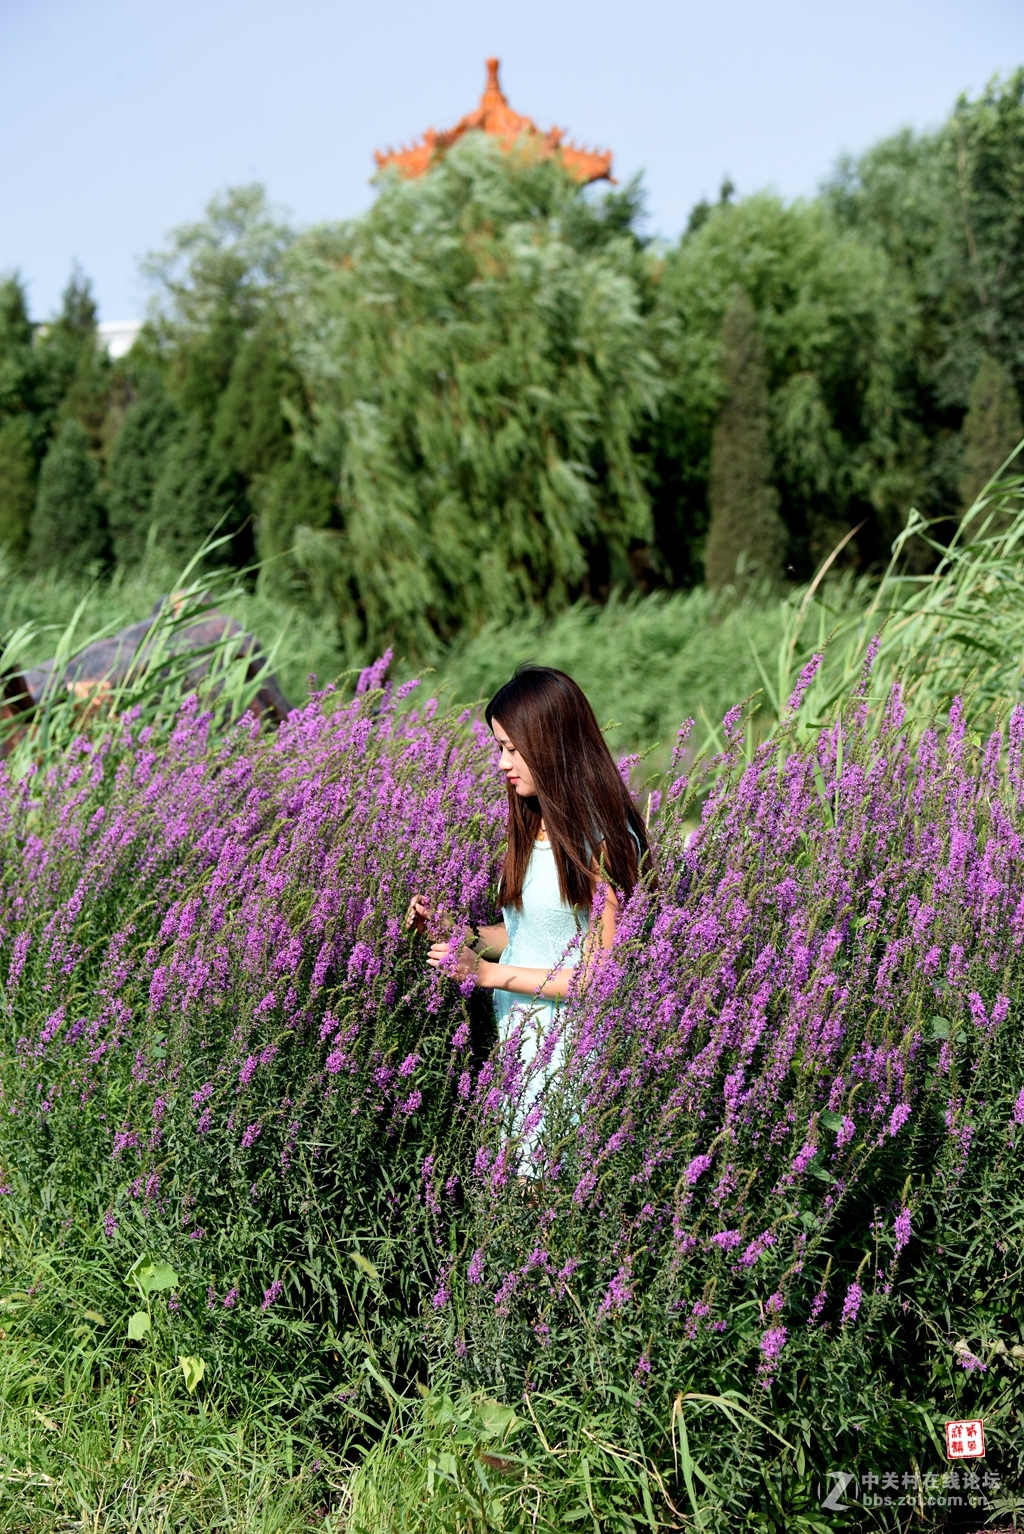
{"type": "Point", "coordinates": [517, 773]}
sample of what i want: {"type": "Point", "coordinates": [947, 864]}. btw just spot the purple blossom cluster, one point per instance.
{"type": "Point", "coordinates": [209, 932]}
{"type": "Point", "coordinates": [213, 1002]}
{"type": "Point", "coordinates": [828, 953]}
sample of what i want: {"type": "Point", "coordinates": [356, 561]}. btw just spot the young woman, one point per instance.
{"type": "Point", "coordinates": [571, 825]}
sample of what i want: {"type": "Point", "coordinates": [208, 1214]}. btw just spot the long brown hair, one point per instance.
{"type": "Point", "coordinates": [586, 808]}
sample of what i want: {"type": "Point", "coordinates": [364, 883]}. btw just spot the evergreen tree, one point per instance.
{"type": "Point", "coordinates": [17, 485]}
{"type": "Point", "coordinates": [838, 324]}
{"type": "Point", "coordinates": [137, 457]}
{"type": "Point", "coordinates": [746, 538]}
{"type": "Point", "coordinates": [15, 327]}
{"type": "Point", "coordinates": [19, 364]}
{"type": "Point", "coordinates": [250, 430]}
{"type": "Point", "coordinates": [295, 494]}
{"type": "Point", "coordinates": [992, 428]}
{"type": "Point", "coordinates": [68, 528]}
{"type": "Point", "coordinates": [72, 373]}
{"type": "Point", "coordinates": [198, 497]}
{"type": "Point", "coordinates": [219, 277]}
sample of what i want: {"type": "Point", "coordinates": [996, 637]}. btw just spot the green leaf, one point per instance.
{"type": "Point", "coordinates": [139, 1325]}
{"type": "Point", "coordinates": [152, 1275]}
{"type": "Point", "coordinates": [833, 1121]}
{"type": "Point", "coordinates": [938, 1028]}
{"type": "Point", "coordinates": [497, 1421]}
{"type": "Point", "coordinates": [193, 1369]}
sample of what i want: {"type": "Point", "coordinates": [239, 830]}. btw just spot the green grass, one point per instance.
{"type": "Point", "coordinates": [100, 1433]}
{"type": "Point", "coordinates": [645, 664]}
{"type": "Point", "coordinates": [47, 604]}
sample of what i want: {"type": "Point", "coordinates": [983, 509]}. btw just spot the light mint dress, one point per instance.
{"type": "Point", "coordinates": [545, 934]}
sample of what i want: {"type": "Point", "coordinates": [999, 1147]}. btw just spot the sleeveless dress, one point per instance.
{"type": "Point", "coordinates": [545, 934]}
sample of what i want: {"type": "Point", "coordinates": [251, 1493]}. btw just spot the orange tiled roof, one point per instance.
{"type": "Point", "coordinates": [496, 117]}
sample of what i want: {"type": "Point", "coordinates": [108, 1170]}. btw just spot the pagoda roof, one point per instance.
{"type": "Point", "coordinates": [496, 117]}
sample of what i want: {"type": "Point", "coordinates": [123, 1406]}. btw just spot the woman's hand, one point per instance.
{"type": "Point", "coordinates": [418, 914]}
{"type": "Point", "coordinates": [468, 963]}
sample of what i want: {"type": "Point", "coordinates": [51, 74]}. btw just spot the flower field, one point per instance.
{"type": "Point", "coordinates": [262, 1200]}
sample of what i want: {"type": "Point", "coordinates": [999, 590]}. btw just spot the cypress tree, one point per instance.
{"type": "Point", "coordinates": [68, 528]}
{"type": "Point", "coordinates": [196, 497]}
{"type": "Point", "coordinates": [17, 485]}
{"type": "Point", "coordinates": [746, 539]}
{"type": "Point", "coordinates": [137, 458]}
{"type": "Point", "coordinates": [992, 428]}
{"type": "Point", "coordinates": [250, 430]}
{"type": "Point", "coordinates": [295, 494]}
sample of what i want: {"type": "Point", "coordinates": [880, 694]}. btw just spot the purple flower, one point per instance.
{"type": "Point", "coordinates": [109, 1224]}
{"type": "Point", "coordinates": [230, 1300]}
{"type": "Point", "coordinates": [475, 1271]}
{"type": "Point", "coordinates": [804, 681]}
{"type": "Point", "coordinates": [1018, 1108]}
{"type": "Point", "coordinates": [851, 1305]}
{"type": "Point", "coordinates": [772, 1343]}
{"type": "Point", "coordinates": [901, 1230]}
{"type": "Point", "coordinates": [899, 1116]}
{"type": "Point", "coordinates": [618, 1294]}
{"type": "Point", "coordinates": [252, 1134]}
{"type": "Point", "coordinates": [273, 1294]}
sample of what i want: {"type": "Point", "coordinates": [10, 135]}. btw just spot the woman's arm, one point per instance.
{"type": "Point", "coordinates": [524, 979]}
{"type": "Point", "coordinates": [492, 941]}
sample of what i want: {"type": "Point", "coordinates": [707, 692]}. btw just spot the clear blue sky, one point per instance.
{"type": "Point", "coordinates": [120, 118]}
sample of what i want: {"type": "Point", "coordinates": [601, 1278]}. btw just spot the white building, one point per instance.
{"type": "Point", "coordinates": [118, 335]}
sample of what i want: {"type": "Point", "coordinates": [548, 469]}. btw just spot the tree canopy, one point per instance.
{"type": "Point", "coordinates": [490, 393]}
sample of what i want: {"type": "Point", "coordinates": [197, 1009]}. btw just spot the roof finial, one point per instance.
{"type": "Point", "coordinates": [495, 117]}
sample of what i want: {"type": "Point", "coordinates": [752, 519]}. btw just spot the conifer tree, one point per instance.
{"type": "Point", "coordinates": [250, 429]}
{"type": "Point", "coordinates": [992, 428]}
{"type": "Point", "coordinates": [746, 538]}
{"type": "Point", "coordinates": [295, 494]}
{"type": "Point", "coordinates": [137, 458]}
{"type": "Point", "coordinates": [17, 485]}
{"type": "Point", "coordinates": [197, 497]}
{"type": "Point", "coordinates": [68, 528]}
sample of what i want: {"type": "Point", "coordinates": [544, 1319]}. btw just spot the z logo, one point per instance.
{"type": "Point", "coordinates": [843, 1482]}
